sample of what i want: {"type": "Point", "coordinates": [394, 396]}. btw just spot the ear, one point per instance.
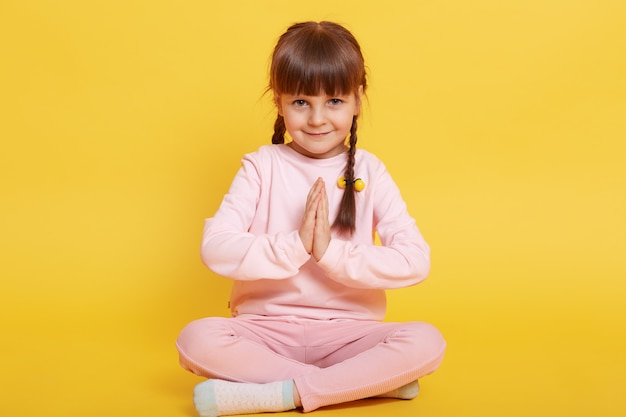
{"type": "Point", "coordinates": [359, 96]}
{"type": "Point", "coordinates": [278, 104]}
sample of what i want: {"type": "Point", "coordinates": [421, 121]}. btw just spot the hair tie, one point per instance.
{"type": "Point", "coordinates": [358, 183]}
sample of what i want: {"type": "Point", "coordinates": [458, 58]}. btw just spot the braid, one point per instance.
{"type": "Point", "coordinates": [279, 130]}
{"type": "Point", "coordinates": [346, 217]}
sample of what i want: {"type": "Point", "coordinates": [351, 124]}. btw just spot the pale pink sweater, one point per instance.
{"type": "Point", "coordinates": [253, 239]}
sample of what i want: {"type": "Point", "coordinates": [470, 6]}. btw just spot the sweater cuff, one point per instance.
{"type": "Point", "coordinates": [332, 256]}
{"type": "Point", "coordinates": [301, 256]}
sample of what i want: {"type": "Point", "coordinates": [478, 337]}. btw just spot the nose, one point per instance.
{"type": "Point", "coordinates": [317, 116]}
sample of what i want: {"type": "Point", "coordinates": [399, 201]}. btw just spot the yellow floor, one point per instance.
{"type": "Point", "coordinates": [496, 365]}
{"type": "Point", "coordinates": [142, 382]}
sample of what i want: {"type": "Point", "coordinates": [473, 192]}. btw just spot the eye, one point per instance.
{"type": "Point", "coordinates": [299, 103]}
{"type": "Point", "coordinates": [335, 101]}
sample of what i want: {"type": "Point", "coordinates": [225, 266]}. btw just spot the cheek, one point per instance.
{"type": "Point", "coordinates": [295, 119]}
{"type": "Point", "coordinates": [289, 122]}
{"type": "Point", "coordinates": [292, 125]}
{"type": "Point", "coordinates": [347, 122]}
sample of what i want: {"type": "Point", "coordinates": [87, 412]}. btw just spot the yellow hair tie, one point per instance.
{"type": "Point", "coordinates": [359, 184]}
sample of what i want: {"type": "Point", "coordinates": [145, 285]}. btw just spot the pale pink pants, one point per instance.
{"type": "Point", "coordinates": [330, 361]}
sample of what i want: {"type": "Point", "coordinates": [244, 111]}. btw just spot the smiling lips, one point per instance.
{"type": "Point", "coordinates": [317, 134]}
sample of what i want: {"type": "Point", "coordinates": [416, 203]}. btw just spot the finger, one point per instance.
{"type": "Point", "coordinates": [313, 195]}
{"type": "Point", "coordinates": [323, 205]}
{"type": "Point", "coordinates": [307, 228]}
{"type": "Point", "coordinates": [322, 235]}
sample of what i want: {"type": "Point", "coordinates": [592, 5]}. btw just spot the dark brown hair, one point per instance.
{"type": "Point", "coordinates": [311, 58]}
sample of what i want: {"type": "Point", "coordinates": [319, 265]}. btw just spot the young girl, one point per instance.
{"type": "Point", "coordinates": [296, 234]}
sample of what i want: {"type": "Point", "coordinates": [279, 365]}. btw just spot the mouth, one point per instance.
{"type": "Point", "coordinates": [317, 134]}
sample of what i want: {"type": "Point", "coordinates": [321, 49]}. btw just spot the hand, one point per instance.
{"type": "Point", "coordinates": [321, 235]}
{"type": "Point", "coordinates": [315, 229]}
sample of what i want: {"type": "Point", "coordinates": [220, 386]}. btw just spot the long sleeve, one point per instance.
{"type": "Point", "coordinates": [402, 259]}
{"type": "Point", "coordinates": [231, 250]}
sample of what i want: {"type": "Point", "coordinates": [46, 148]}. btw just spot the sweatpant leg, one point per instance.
{"type": "Point", "coordinates": [382, 357]}
{"type": "Point", "coordinates": [240, 350]}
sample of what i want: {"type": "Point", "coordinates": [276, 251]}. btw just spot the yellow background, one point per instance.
{"type": "Point", "coordinates": [122, 124]}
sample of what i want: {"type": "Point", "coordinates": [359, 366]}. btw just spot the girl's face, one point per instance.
{"type": "Point", "coordinates": [319, 124]}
